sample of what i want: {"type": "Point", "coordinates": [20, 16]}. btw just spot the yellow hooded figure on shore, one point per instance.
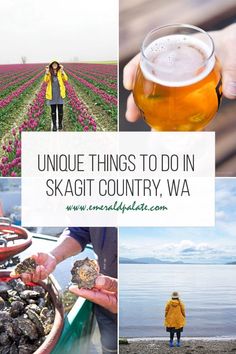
{"type": "Point", "coordinates": [175, 318]}
{"type": "Point", "coordinates": [55, 77]}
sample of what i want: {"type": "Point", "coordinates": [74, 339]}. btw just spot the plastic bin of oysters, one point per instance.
{"type": "Point", "coordinates": [27, 312]}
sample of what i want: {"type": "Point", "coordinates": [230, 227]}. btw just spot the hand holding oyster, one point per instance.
{"type": "Point", "coordinates": [85, 272]}
{"type": "Point", "coordinates": [35, 268]}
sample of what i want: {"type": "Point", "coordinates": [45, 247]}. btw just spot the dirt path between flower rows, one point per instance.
{"type": "Point", "coordinates": [68, 125]}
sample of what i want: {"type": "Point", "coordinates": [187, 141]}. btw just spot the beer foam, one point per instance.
{"type": "Point", "coordinates": [177, 60]}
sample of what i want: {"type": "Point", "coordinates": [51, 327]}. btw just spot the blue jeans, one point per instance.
{"type": "Point", "coordinates": [107, 323]}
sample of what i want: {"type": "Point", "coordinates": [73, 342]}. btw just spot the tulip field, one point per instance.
{"type": "Point", "coordinates": [90, 105]}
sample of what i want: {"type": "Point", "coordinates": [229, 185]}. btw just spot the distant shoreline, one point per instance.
{"type": "Point", "coordinates": [153, 261]}
{"type": "Point", "coordinates": [189, 345]}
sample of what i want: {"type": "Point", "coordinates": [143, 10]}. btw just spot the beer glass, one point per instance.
{"type": "Point", "coordinates": [178, 82]}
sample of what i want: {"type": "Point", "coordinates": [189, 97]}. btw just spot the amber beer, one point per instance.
{"type": "Point", "coordinates": [178, 81]}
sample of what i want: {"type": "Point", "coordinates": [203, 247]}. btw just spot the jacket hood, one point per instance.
{"type": "Point", "coordinates": [174, 303]}
{"type": "Point", "coordinates": [54, 61]}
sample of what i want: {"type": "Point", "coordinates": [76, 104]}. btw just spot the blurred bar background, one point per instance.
{"type": "Point", "coordinates": [138, 17]}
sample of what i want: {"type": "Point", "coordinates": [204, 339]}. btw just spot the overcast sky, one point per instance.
{"type": "Point", "coordinates": [65, 30]}
{"type": "Point", "coordinates": [195, 245]}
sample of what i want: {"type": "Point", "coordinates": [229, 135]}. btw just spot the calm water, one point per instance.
{"type": "Point", "coordinates": [208, 291]}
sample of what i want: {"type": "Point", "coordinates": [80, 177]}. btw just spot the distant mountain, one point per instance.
{"type": "Point", "coordinates": [128, 261]}
{"type": "Point", "coordinates": [231, 263]}
{"type": "Point", "coordinates": [146, 260]}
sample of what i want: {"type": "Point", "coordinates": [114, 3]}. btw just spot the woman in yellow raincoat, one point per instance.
{"type": "Point", "coordinates": [55, 77]}
{"type": "Point", "coordinates": [175, 318]}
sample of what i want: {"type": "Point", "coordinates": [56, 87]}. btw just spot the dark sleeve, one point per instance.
{"type": "Point", "coordinates": [80, 234]}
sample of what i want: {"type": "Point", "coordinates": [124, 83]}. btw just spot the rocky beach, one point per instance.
{"type": "Point", "coordinates": [188, 346]}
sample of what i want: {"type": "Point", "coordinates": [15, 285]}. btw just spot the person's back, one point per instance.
{"type": "Point", "coordinates": [175, 313]}
{"type": "Point", "coordinates": [175, 317]}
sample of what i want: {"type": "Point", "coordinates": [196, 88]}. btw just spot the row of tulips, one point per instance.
{"type": "Point", "coordinates": [11, 160]}
{"type": "Point", "coordinates": [97, 80]}
{"type": "Point", "coordinates": [16, 93]}
{"type": "Point", "coordinates": [110, 99]}
{"type": "Point", "coordinates": [9, 75]}
{"type": "Point", "coordinates": [102, 72]}
{"type": "Point", "coordinates": [84, 121]}
{"type": "Point", "coordinates": [110, 81]}
{"type": "Point", "coordinates": [101, 69]}
{"type": "Point", "coordinates": [16, 80]}
{"type": "Point", "coordinates": [5, 76]}
{"type": "Point", "coordinates": [9, 72]}
{"type": "Point", "coordinates": [12, 78]}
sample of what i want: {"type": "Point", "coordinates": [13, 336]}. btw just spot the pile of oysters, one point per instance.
{"type": "Point", "coordinates": [26, 313]}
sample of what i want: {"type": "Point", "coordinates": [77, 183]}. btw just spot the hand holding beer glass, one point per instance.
{"type": "Point", "coordinates": [178, 82]}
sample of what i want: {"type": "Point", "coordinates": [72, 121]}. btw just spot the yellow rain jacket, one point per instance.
{"type": "Point", "coordinates": [175, 314]}
{"type": "Point", "coordinates": [61, 80]}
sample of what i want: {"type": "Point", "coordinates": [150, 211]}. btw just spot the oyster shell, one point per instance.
{"type": "Point", "coordinates": [26, 348]}
{"type": "Point", "coordinates": [17, 308]}
{"type": "Point", "coordinates": [40, 290]}
{"type": "Point", "coordinates": [4, 288]}
{"type": "Point", "coordinates": [29, 294]}
{"type": "Point", "coordinates": [47, 328]}
{"type": "Point", "coordinates": [13, 349]}
{"type": "Point", "coordinates": [17, 284]}
{"type": "Point", "coordinates": [34, 308]}
{"type": "Point", "coordinates": [4, 339]}
{"type": "Point", "coordinates": [85, 272]}
{"type": "Point", "coordinates": [28, 265]}
{"type": "Point", "coordinates": [4, 316]}
{"type": "Point", "coordinates": [27, 327]}
{"type": "Point", "coordinates": [47, 315]}
{"type": "Point", "coordinates": [41, 302]}
{"type": "Point", "coordinates": [35, 318]}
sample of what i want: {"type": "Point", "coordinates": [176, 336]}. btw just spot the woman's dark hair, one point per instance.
{"type": "Point", "coordinates": [51, 69]}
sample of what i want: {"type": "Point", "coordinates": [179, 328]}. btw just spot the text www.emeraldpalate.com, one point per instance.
{"type": "Point", "coordinates": [116, 206]}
